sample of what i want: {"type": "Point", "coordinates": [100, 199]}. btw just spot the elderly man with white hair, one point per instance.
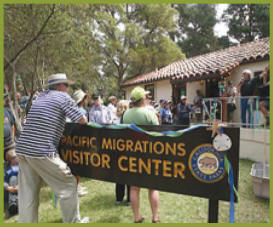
{"type": "Point", "coordinates": [246, 88]}
{"type": "Point", "coordinates": [37, 151]}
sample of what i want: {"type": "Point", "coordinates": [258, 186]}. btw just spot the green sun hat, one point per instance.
{"type": "Point", "coordinates": [137, 94]}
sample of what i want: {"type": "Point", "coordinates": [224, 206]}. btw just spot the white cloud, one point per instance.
{"type": "Point", "coordinates": [221, 28]}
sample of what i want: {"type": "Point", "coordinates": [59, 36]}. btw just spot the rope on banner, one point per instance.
{"type": "Point", "coordinates": [151, 133]}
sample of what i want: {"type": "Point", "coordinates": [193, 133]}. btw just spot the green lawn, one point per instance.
{"type": "Point", "coordinates": [100, 206]}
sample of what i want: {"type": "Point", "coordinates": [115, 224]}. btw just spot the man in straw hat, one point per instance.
{"type": "Point", "coordinates": [139, 114]}
{"type": "Point", "coordinates": [81, 99]}
{"type": "Point", "coordinates": [38, 155]}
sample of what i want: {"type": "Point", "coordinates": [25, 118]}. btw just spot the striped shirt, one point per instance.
{"type": "Point", "coordinates": [45, 124]}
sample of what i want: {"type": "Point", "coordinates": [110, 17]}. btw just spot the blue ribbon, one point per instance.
{"type": "Point", "coordinates": [231, 187]}
{"type": "Point", "coordinates": [179, 133]}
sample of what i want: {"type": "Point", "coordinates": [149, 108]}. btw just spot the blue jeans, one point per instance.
{"type": "Point", "coordinates": [245, 107]}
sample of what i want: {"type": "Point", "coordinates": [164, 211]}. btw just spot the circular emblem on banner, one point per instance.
{"type": "Point", "coordinates": [206, 164]}
{"type": "Point", "coordinates": [222, 142]}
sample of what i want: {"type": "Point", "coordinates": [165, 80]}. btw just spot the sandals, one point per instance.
{"type": "Point", "coordinates": [156, 221]}
{"type": "Point", "coordinates": [140, 220]}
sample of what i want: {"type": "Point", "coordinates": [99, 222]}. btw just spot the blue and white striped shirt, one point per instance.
{"type": "Point", "coordinates": [45, 124]}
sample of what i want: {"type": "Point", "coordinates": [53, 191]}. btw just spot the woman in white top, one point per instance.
{"type": "Point", "coordinates": [122, 106]}
{"type": "Point", "coordinates": [231, 102]}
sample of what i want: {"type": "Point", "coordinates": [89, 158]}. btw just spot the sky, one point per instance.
{"type": "Point", "coordinates": [220, 29]}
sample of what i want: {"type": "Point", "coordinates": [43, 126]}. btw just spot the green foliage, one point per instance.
{"type": "Point", "coordinates": [195, 34]}
{"type": "Point", "coordinates": [247, 22]}
{"type": "Point", "coordinates": [99, 205]}
{"type": "Point", "coordinates": [134, 39]}
{"type": "Point", "coordinates": [93, 44]}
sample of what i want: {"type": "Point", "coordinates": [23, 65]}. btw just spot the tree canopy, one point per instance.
{"type": "Point", "coordinates": [195, 34]}
{"type": "Point", "coordinates": [96, 45]}
{"type": "Point", "coordinates": [247, 22]}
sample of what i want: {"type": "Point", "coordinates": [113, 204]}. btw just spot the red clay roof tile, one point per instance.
{"type": "Point", "coordinates": [219, 62]}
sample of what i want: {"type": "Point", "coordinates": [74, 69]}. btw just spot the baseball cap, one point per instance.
{"type": "Point", "coordinates": [161, 100]}
{"type": "Point", "coordinates": [95, 96]}
{"type": "Point", "coordinates": [137, 94]}
{"type": "Point", "coordinates": [183, 97]}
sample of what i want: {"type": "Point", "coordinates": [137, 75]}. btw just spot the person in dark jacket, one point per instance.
{"type": "Point", "coordinates": [183, 112]}
{"type": "Point", "coordinates": [246, 88]}
{"type": "Point", "coordinates": [264, 93]}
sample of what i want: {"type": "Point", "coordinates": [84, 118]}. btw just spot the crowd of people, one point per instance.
{"type": "Point", "coordinates": [36, 147]}
{"type": "Point", "coordinates": [35, 150]}
{"type": "Point", "coordinates": [246, 87]}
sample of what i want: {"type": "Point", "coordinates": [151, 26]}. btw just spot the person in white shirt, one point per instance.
{"type": "Point", "coordinates": [149, 106]}
{"type": "Point", "coordinates": [98, 113]}
{"type": "Point", "coordinates": [231, 101]}
{"type": "Point", "coordinates": [122, 106]}
{"type": "Point", "coordinates": [81, 99]}
{"type": "Point", "coordinates": [112, 109]}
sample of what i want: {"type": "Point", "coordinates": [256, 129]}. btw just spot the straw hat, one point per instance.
{"type": "Point", "coordinates": [78, 96]}
{"type": "Point", "coordinates": [112, 97]}
{"type": "Point", "coordinates": [59, 78]}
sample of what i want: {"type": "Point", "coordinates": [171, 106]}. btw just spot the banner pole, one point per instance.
{"type": "Point", "coordinates": [213, 211]}
{"type": "Point", "coordinates": [264, 169]}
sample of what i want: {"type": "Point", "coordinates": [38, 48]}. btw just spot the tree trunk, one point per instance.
{"type": "Point", "coordinates": [14, 105]}
{"type": "Point", "coordinates": [120, 78]}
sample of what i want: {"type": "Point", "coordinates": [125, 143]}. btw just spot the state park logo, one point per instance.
{"type": "Point", "coordinates": [206, 164]}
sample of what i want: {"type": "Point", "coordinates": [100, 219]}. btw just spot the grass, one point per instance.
{"type": "Point", "coordinates": [99, 205]}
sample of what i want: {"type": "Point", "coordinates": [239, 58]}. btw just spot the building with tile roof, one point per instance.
{"type": "Point", "coordinates": [185, 76]}
{"type": "Point", "coordinates": [213, 64]}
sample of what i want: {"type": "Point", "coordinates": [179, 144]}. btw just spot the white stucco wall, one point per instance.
{"type": "Point", "coordinates": [254, 144]}
{"type": "Point", "coordinates": [192, 87]}
{"type": "Point", "coordinates": [128, 91]}
{"type": "Point", "coordinates": [162, 89]}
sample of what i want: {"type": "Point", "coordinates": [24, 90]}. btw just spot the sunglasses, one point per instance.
{"type": "Point", "coordinates": [66, 85]}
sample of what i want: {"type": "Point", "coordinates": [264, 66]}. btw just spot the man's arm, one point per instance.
{"type": "Point", "coordinates": [12, 131]}
{"type": "Point", "coordinates": [83, 120]}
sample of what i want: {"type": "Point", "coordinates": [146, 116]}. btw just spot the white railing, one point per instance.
{"type": "Point", "coordinates": [256, 117]}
